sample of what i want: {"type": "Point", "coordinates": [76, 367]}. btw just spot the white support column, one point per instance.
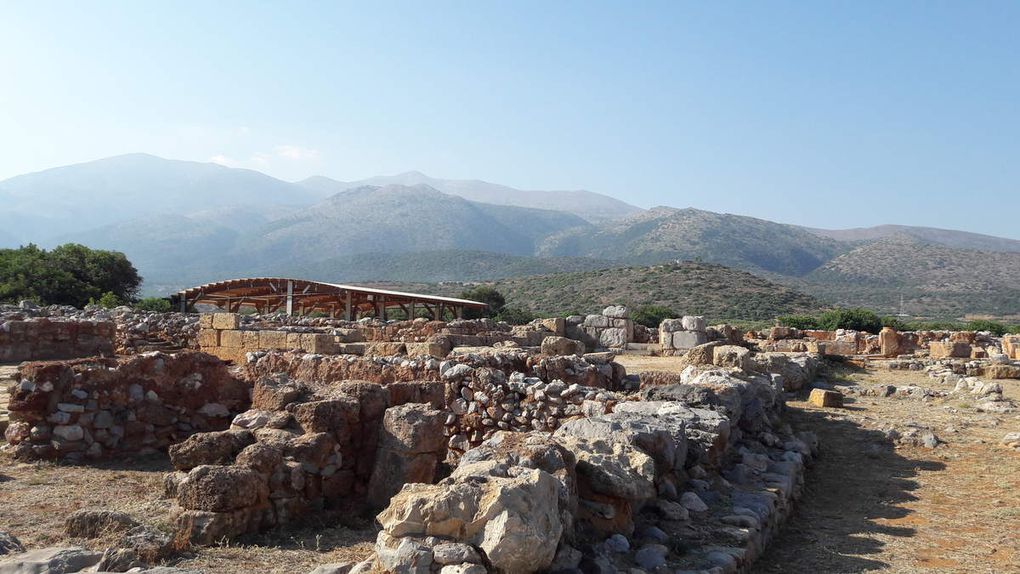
{"type": "Point", "coordinates": [290, 297]}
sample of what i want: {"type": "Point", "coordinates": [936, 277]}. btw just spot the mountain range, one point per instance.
{"type": "Point", "coordinates": [184, 223]}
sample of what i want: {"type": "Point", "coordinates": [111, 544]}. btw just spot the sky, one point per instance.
{"type": "Point", "coordinates": [827, 114]}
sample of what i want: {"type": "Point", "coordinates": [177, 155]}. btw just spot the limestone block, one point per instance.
{"type": "Point", "coordinates": [613, 338]}
{"type": "Point", "coordinates": [557, 325]}
{"type": "Point", "coordinates": [250, 340]}
{"type": "Point", "coordinates": [688, 339]}
{"type": "Point", "coordinates": [272, 339]}
{"type": "Point", "coordinates": [437, 350]}
{"type": "Point", "coordinates": [205, 321]}
{"type": "Point", "coordinates": [694, 323]}
{"type": "Point", "coordinates": [824, 398]}
{"type": "Point", "coordinates": [382, 349]}
{"type": "Point", "coordinates": [889, 342]}
{"type": "Point", "coordinates": [232, 339]}
{"type": "Point", "coordinates": [948, 349]}
{"type": "Point", "coordinates": [208, 338]}
{"type": "Point", "coordinates": [226, 321]}
{"type": "Point", "coordinates": [321, 343]}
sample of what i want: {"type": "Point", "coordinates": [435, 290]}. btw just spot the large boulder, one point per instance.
{"type": "Point", "coordinates": [537, 450]}
{"type": "Point", "coordinates": [707, 431]}
{"type": "Point", "coordinates": [510, 513]}
{"type": "Point", "coordinates": [410, 447]}
{"type": "Point", "coordinates": [556, 346]}
{"type": "Point", "coordinates": [219, 447]}
{"type": "Point", "coordinates": [221, 488]}
{"type": "Point", "coordinates": [796, 370]}
{"type": "Point", "coordinates": [732, 356]}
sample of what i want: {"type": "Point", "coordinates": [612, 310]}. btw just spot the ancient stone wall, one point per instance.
{"type": "Point", "coordinates": [611, 329]}
{"type": "Point", "coordinates": [106, 407]}
{"type": "Point", "coordinates": [231, 336]}
{"type": "Point", "coordinates": [315, 440]}
{"type": "Point", "coordinates": [677, 336]}
{"type": "Point", "coordinates": [33, 339]}
{"type": "Point", "coordinates": [651, 469]}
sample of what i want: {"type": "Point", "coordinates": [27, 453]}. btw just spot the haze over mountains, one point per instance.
{"type": "Point", "coordinates": [184, 223]}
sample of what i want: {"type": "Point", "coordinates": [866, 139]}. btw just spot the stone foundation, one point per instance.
{"type": "Point", "coordinates": [37, 339]}
{"type": "Point", "coordinates": [113, 407]}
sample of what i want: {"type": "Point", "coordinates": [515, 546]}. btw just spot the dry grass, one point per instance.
{"type": "Point", "coordinates": [906, 509]}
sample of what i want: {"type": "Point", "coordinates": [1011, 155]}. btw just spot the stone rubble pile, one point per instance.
{"type": "Point", "coordinates": [110, 407]}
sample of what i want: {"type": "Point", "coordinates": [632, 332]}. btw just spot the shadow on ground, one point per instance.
{"type": "Point", "coordinates": [857, 480]}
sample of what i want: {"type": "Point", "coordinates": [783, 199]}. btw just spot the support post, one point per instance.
{"type": "Point", "coordinates": [290, 297]}
{"type": "Point", "coordinates": [348, 311]}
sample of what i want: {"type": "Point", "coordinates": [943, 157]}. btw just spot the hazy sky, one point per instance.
{"type": "Point", "coordinates": [828, 114]}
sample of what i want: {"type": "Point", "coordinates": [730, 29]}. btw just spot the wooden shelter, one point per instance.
{"type": "Point", "coordinates": [300, 296]}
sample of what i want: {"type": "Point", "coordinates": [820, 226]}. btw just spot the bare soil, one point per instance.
{"type": "Point", "coordinates": [35, 500]}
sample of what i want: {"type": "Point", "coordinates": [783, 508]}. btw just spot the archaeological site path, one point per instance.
{"type": "Point", "coordinates": [870, 506]}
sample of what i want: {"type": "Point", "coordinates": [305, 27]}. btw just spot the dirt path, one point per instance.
{"type": "Point", "coordinates": [869, 506]}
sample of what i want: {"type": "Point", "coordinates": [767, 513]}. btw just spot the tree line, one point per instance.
{"type": "Point", "coordinates": [70, 274]}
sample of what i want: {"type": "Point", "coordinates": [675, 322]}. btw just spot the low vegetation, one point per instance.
{"type": "Point", "coordinates": [866, 320]}
{"type": "Point", "coordinates": [658, 291]}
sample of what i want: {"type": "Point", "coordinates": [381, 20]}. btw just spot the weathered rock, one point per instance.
{"type": "Point", "coordinates": [51, 560]}
{"type": "Point", "coordinates": [511, 514]}
{"type": "Point", "coordinates": [825, 398]}
{"type": "Point", "coordinates": [556, 346]}
{"type": "Point", "coordinates": [221, 488]}
{"type": "Point", "coordinates": [693, 323]}
{"type": "Point", "coordinates": [732, 356]}
{"type": "Point", "coordinates": [218, 447]}
{"type": "Point", "coordinates": [455, 553]}
{"type": "Point", "coordinates": [9, 544]}
{"type": "Point", "coordinates": [88, 523]}
{"type": "Point", "coordinates": [335, 568]}
{"type": "Point", "coordinates": [411, 445]}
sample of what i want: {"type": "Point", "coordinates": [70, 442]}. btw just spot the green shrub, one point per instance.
{"type": "Point", "coordinates": [996, 328]}
{"type": "Point", "coordinates": [488, 295]}
{"type": "Point", "coordinates": [799, 321]}
{"type": "Point", "coordinates": [156, 304]}
{"type": "Point", "coordinates": [515, 316]}
{"type": "Point", "coordinates": [934, 326]}
{"type": "Point", "coordinates": [108, 300]}
{"type": "Point", "coordinates": [895, 323]}
{"type": "Point", "coordinates": [651, 315]}
{"type": "Point", "coordinates": [855, 319]}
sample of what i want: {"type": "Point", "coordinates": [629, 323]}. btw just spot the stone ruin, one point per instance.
{"type": "Point", "coordinates": [480, 447]}
{"type": "Point", "coordinates": [92, 408]}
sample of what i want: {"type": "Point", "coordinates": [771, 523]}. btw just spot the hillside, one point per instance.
{"type": "Point", "coordinates": [401, 219]}
{"type": "Point", "coordinates": [933, 280]}
{"type": "Point", "coordinates": [691, 288]}
{"type": "Point", "coordinates": [947, 237]}
{"type": "Point", "coordinates": [593, 207]}
{"type": "Point", "coordinates": [664, 233]}
{"type": "Point", "coordinates": [41, 206]}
